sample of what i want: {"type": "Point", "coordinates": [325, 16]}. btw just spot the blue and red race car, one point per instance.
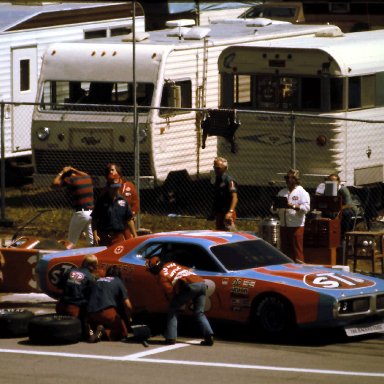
{"type": "Point", "coordinates": [248, 280]}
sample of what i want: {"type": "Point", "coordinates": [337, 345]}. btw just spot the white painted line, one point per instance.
{"type": "Point", "coordinates": [136, 357]}
{"type": "Point", "coordinates": [155, 351]}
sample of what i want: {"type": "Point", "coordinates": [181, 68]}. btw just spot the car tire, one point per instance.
{"type": "Point", "coordinates": [14, 322]}
{"type": "Point", "coordinates": [274, 317]}
{"type": "Point", "coordinates": [54, 329]}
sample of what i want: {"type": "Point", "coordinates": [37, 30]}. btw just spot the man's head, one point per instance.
{"type": "Point", "coordinates": [154, 265]}
{"type": "Point", "coordinates": [112, 169]}
{"type": "Point", "coordinates": [90, 262]}
{"type": "Point", "coordinates": [220, 165]}
{"type": "Point", "coordinates": [334, 177]}
{"type": "Point", "coordinates": [292, 178]}
{"type": "Point", "coordinates": [113, 271]}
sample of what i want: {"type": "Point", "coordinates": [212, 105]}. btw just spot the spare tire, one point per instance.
{"type": "Point", "coordinates": [14, 322]}
{"type": "Point", "coordinates": [54, 329]}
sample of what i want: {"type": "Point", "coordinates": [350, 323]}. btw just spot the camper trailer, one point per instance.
{"type": "Point", "coordinates": [85, 116]}
{"type": "Point", "coordinates": [26, 29]}
{"type": "Point", "coordinates": [331, 80]}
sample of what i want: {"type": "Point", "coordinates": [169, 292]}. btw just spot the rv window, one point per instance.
{"type": "Point", "coordinates": [97, 33]}
{"type": "Point", "coordinates": [120, 31]}
{"type": "Point", "coordinates": [24, 75]}
{"type": "Point", "coordinates": [275, 92]}
{"type": "Point", "coordinates": [56, 93]}
{"type": "Point", "coordinates": [368, 91]}
{"type": "Point", "coordinates": [310, 93]}
{"type": "Point", "coordinates": [242, 91]}
{"type": "Point", "coordinates": [186, 97]}
{"type": "Point", "coordinates": [336, 94]}
{"type": "Point", "coordinates": [354, 99]}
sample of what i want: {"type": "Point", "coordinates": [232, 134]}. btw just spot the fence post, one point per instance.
{"type": "Point", "coordinates": [293, 142]}
{"type": "Point", "coordinates": [3, 221]}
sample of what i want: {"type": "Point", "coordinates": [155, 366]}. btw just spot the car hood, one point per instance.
{"type": "Point", "coordinates": [334, 281]}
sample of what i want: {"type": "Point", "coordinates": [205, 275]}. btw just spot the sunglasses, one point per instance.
{"type": "Point", "coordinates": [289, 177]}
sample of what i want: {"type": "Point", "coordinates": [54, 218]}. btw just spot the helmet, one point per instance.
{"type": "Point", "coordinates": [154, 265]}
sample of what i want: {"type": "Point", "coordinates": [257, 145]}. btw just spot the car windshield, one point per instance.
{"type": "Point", "coordinates": [249, 254]}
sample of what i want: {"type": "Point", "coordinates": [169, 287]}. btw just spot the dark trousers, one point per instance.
{"type": "Point", "coordinates": [291, 242]}
{"type": "Point", "coordinates": [109, 318]}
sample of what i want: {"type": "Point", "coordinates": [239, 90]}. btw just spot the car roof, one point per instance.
{"type": "Point", "coordinates": [208, 236]}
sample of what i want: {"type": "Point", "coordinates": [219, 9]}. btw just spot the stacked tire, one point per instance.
{"type": "Point", "coordinates": [52, 329]}
{"type": "Point", "coordinates": [14, 322]}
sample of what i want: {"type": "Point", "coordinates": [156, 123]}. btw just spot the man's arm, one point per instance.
{"type": "Point", "coordinates": [132, 228]}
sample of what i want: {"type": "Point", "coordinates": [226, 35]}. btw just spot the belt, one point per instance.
{"type": "Point", "coordinates": [83, 209]}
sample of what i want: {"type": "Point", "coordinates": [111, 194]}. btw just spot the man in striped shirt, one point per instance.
{"type": "Point", "coordinates": [80, 187]}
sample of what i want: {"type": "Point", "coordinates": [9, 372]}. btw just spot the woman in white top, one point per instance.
{"type": "Point", "coordinates": [292, 216]}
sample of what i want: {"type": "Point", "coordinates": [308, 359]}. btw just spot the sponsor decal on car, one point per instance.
{"type": "Point", "coordinates": [331, 280]}
{"type": "Point", "coordinates": [119, 249]}
{"type": "Point", "coordinates": [57, 271]}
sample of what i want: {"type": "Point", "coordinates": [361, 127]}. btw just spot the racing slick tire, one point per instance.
{"type": "Point", "coordinates": [54, 329]}
{"type": "Point", "coordinates": [273, 317]}
{"type": "Point", "coordinates": [14, 322]}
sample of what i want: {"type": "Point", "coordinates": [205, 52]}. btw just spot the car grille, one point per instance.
{"type": "Point", "coordinates": [361, 305]}
{"type": "Point", "coordinates": [50, 162]}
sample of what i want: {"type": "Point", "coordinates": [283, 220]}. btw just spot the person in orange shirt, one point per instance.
{"type": "Point", "coordinates": [127, 190]}
{"type": "Point", "coordinates": [181, 286]}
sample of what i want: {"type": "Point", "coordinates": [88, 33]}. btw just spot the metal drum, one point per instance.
{"type": "Point", "coordinates": [269, 230]}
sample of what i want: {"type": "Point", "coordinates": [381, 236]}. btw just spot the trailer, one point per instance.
{"type": "Point", "coordinates": [332, 80]}
{"type": "Point", "coordinates": [26, 29]}
{"type": "Point", "coordinates": [176, 77]}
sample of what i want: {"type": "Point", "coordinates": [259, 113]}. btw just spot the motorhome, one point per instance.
{"type": "Point", "coordinates": [176, 76]}
{"type": "Point", "coordinates": [296, 100]}
{"type": "Point", "coordinates": [26, 29]}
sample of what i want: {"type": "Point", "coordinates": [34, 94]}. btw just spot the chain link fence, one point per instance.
{"type": "Point", "coordinates": [171, 159]}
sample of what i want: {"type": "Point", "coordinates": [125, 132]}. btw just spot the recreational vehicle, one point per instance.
{"type": "Point", "coordinates": [176, 77]}
{"type": "Point", "coordinates": [26, 29]}
{"type": "Point", "coordinates": [295, 99]}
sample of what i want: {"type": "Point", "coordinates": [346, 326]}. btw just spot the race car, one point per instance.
{"type": "Point", "coordinates": [249, 281]}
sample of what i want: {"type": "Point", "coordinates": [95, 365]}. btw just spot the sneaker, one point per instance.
{"type": "Point", "coordinates": [208, 341]}
{"type": "Point", "coordinates": [92, 338]}
{"type": "Point", "coordinates": [100, 332]}
{"type": "Point", "coordinates": [170, 341]}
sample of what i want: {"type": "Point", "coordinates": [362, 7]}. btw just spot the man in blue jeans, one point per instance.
{"type": "Point", "coordinates": [181, 286]}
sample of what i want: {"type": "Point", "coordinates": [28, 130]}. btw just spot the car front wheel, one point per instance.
{"type": "Point", "coordinates": [273, 317]}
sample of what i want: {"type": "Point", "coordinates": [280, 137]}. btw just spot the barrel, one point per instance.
{"type": "Point", "coordinates": [269, 230]}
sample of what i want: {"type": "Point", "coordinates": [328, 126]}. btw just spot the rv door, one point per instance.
{"type": "Point", "coordinates": [24, 85]}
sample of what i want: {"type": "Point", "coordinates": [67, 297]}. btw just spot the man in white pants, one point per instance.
{"type": "Point", "coordinates": [80, 187]}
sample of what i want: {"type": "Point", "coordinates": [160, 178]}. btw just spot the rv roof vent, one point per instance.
{"type": "Point", "coordinates": [180, 23]}
{"type": "Point", "coordinates": [178, 31]}
{"type": "Point", "coordinates": [139, 36]}
{"type": "Point", "coordinates": [197, 33]}
{"type": "Point", "coordinates": [252, 22]}
{"type": "Point", "coordinates": [332, 31]}
{"type": "Point", "coordinates": [263, 22]}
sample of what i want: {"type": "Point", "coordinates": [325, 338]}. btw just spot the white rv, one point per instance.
{"type": "Point", "coordinates": [170, 65]}
{"type": "Point", "coordinates": [334, 79]}
{"type": "Point", "coordinates": [26, 29]}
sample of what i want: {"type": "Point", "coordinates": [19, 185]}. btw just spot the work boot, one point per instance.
{"type": "Point", "coordinates": [208, 341]}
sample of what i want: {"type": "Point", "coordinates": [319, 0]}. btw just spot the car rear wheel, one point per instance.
{"type": "Point", "coordinates": [273, 317]}
{"type": "Point", "coordinates": [54, 329]}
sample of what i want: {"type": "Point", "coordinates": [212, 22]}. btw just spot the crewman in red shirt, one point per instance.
{"type": "Point", "coordinates": [181, 286]}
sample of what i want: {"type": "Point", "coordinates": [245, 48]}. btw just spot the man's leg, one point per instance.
{"type": "Point", "coordinates": [297, 243]}
{"type": "Point", "coordinates": [76, 226]}
{"type": "Point", "coordinates": [200, 290]}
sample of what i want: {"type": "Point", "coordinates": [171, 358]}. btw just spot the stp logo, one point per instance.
{"type": "Point", "coordinates": [55, 273]}
{"type": "Point", "coordinates": [333, 280]}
